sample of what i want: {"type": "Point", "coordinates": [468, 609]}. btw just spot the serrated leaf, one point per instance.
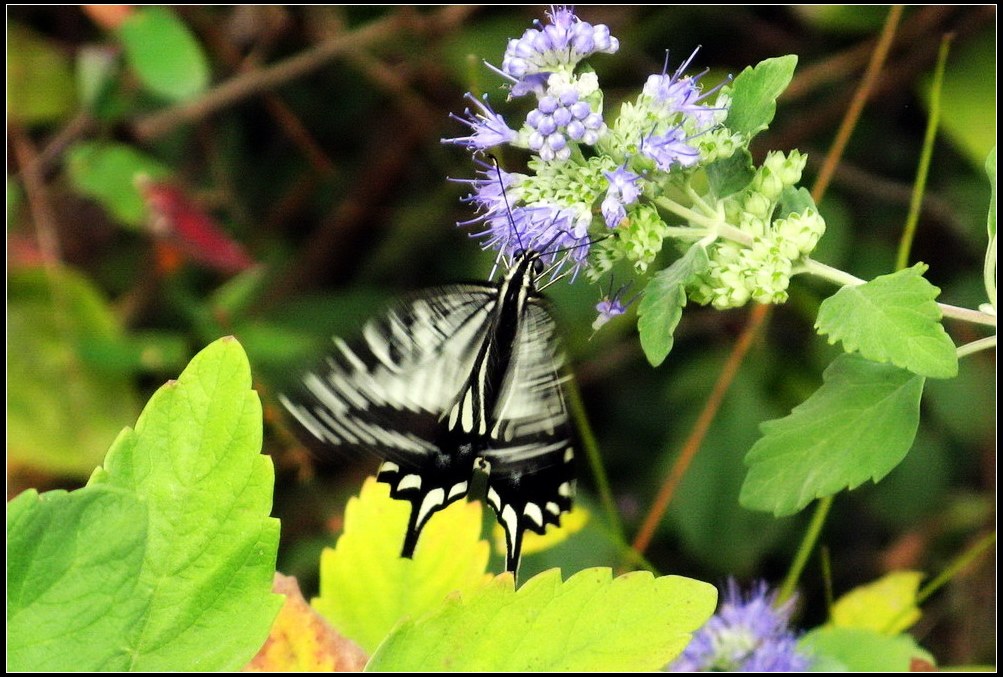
{"type": "Point", "coordinates": [164, 53]}
{"type": "Point", "coordinates": [106, 173]}
{"type": "Point", "coordinates": [302, 641]}
{"type": "Point", "coordinates": [194, 460]}
{"type": "Point", "coordinates": [39, 79]}
{"type": "Point", "coordinates": [754, 94]}
{"type": "Point", "coordinates": [664, 299]}
{"type": "Point", "coordinates": [73, 583]}
{"type": "Point", "coordinates": [857, 426]}
{"type": "Point", "coordinates": [366, 587]}
{"type": "Point", "coordinates": [590, 622]}
{"type": "Point", "coordinates": [730, 175]}
{"type": "Point", "coordinates": [893, 318]}
{"type": "Point", "coordinates": [887, 605]}
{"type": "Point", "coordinates": [62, 410]}
{"type": "Point", "coordinates": [860, 650]}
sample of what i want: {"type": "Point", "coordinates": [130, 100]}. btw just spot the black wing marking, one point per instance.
{"type": "Point", "coordinates": [388, 393]}
{"type": "Point", "coordinates": [531, 482]}
{"type": "Point", "coordinates": [447, 377]}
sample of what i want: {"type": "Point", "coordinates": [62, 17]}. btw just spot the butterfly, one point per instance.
{"type": "Point", "coordinates": [449, 380]}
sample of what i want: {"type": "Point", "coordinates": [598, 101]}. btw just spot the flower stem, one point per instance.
{"type": "Point", "coordinates": [975, 346]}
{"type": "Point", "coordinates": [804, 550]}
{"type": "Point", "coordinates": [905, 243]}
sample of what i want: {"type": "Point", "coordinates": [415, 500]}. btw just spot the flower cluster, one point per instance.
{"type": "Point", "coordinates": [600, 191]}
{"type": "Point", "coordinates": [761, 270]}
{"type": "Point", "coordinates": [748, 634]}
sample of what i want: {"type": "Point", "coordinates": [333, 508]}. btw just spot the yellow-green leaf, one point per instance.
{"type": "Point", "coordinates": [39, 79]}
{"type": "Point", "coordinates": [366, 587]}
{"type": "Point", "coordinates": [888, 605]}
{"type": "Point", "coordinates": [591, 622]}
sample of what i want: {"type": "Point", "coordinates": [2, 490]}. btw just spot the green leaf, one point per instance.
{"type": "Point", "coordinates": [861, 650]}
{"type": "Point", "coordinates": [62, 410]}
{"type": "Point", "coordinates": [754, 94]}
{"type": "Point", "coordinates": [590, 622]}
{"type": "Point", "coordinates": [73, 578]}
{"type": "Point", "coordinates": [730, 175]}
{"type": "Point", "coordinates": [366, 587]}
{"type": "Point", "coordinates": [893, 318]}
{"type": "Point", "coordinates": [39, 79]}
{"type": "Point", "coordinates": [795, 201]}
{"type": "Point", "coordinates": [164, 53]}
{"type": "Point", "coordinates": [857, 426]}
{"type": "Point", "coordinates": [194, 460]}
{"type": "Point", "coordinates": [106, 172]}
{"type": "Point", "coordinates": [664, 299]}
{"type": "Point", "coordinates": [887, 605]}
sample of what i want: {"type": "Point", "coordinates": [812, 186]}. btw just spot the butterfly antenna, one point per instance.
{"type": "Point", "coordinates": [508, 207]}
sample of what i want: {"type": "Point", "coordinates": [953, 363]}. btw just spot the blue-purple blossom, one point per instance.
{"type": "Point", "coordinates": [682, 94]}
{"type": "Point", "coordinates": [557, 46]}
{"type": "Point", "coordinates": [560, 116]}
{"type": "Point", "coordinates": [670, 148]}
{"type": "Point", "coordinates": [623, 190]}
{"type": "Point", "coordinates": [488, 128]}
{"type": "Point", "coordinates": [611, 306]}
{"type": "Point", "coordinates": [747, 634]}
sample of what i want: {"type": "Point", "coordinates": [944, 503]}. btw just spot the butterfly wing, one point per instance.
{"type": "Point", "coordinates": [388, 394]}
{"type": "Point", "coordinates": [531, 482]}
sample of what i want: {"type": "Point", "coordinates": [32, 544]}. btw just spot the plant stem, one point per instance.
{"type": "Point", "coordinates": [975, 346]}
{"type": "Point", "coordinates": [804, 550]}
{"type": "Point", "coordinates": [591, 448]}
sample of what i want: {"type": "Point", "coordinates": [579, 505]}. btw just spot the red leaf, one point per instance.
{"type": "Point", "coordinates": [175, 217]}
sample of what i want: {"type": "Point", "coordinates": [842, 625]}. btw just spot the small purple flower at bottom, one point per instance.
{"type": "Point", "coordinates": [612, 305]}
{"type": "Point", "coordinates": [747, 634]}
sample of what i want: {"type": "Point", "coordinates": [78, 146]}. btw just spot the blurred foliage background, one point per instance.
{"type": "Point", "coordinates": [292, 179]}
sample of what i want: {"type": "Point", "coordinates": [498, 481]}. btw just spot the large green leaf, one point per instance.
{"type": "Point", "coordinates": [664, 299]}
{"type": "Point", "coordinates": [862, 650]}
{"type": "Point", "coordinates": [73, 578]}
{"type": "Point", "coordinates": [893, 318]}
{"type": "Point", "coordinates": [591, 622]}
{"type": "Point", "coordinates": [165, 560]}
{"type": "Point", "coordinates": [62, 410]}
{"type": "Point", "coordinates": [164, 53]}
{"type": "Point", "coordinates": [194, 459]}
{"type": "Point", "coordinates": [366, 587]}
{"type": "Point", "coordinates": [754, 94]}
{"type": "Point", "coordinates": [857, 426]}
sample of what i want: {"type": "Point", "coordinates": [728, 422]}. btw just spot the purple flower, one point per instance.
{"type": "Point", "coordinates": [562, 116]}
{"type": "Point", "coordinates": [622, 191]}
{"type": "Point", "coordinates": [557, 46]}
{"type": "Point", "coordinates": [747, 634]}
{"type": "Point", "coordinates": [682, 94]}
{"type": "Point", "coordinates": [670, 148]}
{"type": "Point", "coordinates": [489, 128]}
{"type": "Point", "coordinates": [611, 306]}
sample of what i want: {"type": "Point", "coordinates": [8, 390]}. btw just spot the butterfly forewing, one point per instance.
{"type": "Point", "coordinates": [449, 378]}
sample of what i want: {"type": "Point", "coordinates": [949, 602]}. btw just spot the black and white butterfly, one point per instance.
{"type": "Point", "coordinates": [451, 379]}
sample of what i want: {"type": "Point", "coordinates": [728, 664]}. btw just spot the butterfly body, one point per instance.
{"type": "Point", "coordinates": [451, 379]}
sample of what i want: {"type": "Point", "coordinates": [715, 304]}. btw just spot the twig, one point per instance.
{"type": "Point", "coordinates": [248, 84]}
{"type": "Point", "coordinates": [856, 107]}
{"type": "Point", "coordinates": [692, 445]}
